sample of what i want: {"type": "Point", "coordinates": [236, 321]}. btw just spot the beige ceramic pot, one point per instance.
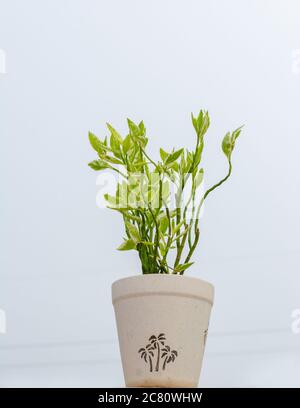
{"type": "Point", "coordinates": [162, 323]}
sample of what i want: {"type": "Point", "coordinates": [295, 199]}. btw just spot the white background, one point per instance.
{"type": "Point", "coordinates": [73, 65]}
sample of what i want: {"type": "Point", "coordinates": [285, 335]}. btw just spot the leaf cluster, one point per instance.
{"type": "Point", "coordinates": [162, 234]}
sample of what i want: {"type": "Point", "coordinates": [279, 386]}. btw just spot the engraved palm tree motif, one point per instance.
{"type": "Point", "coordinates": [168, 355]}
{"type": "Point", "coordinates": [205, 336]}
{"type": "Point", "coordinates": [157, 342]}
{"type": "Point", "coordinates": [163, 352]}
{"type": "Point", "coordinates": [147, 354]}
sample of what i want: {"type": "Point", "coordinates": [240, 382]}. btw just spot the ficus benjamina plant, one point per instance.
{"type": "Point", "coordinates": [159, 201]}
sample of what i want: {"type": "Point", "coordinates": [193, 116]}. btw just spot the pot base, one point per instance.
{"type": "Point", "coordinates": [164, 383]}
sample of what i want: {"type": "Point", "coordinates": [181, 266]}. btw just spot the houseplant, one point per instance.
{"type": "Point", "coordinates": [162, 316]}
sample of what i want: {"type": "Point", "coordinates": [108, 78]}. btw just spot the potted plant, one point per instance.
{"type": "Point", "coordinates": [162, 316]}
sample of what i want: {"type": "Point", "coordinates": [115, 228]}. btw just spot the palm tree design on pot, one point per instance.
{"type": "Point", "coordinates": [157, 343]}
{"type": "Point", "coordinates": [205, 336]}
{"type": "Point", "coordinates": [169, 355]}
{"type": "Point", "coordinates": [147, 354]}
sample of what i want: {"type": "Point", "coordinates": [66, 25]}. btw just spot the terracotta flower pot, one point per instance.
{"type": "Point", "coordinates": [162, 323]}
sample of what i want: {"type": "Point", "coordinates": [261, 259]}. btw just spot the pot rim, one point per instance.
{"type": "Point", "coordinates": [162, 285]}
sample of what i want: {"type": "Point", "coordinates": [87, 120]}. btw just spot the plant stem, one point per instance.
{"type": "Point", "coordinates": [118, 171]}
{"type": "Point", "coordinates": [164, 260]}
{"type": "Point", "coordinates": [179, 245]}
{"type": "Point", "coordinates": [197, 231]}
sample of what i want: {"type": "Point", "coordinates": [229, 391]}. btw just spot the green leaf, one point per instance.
{"type": "Point", "coordinates": [236, 133]}
{"type": "Point", "coordinates": [133, 232]}
{"type": "Point", "coordinates": [127, 245]}
{"type": "Point", "coordinates": [201, 123]}
{"type": "Point", "coordinates": [141, 163]}
{"type": "Point", "coordinates": [110, 199]}
{"type": "Point", "coordinates": [133, 128]}
{"type": "Point", "coordinates": [124, 211]}
{"type": "Point", "coordinates": [199, 178]}
{"type": "Point", "coordinates": [182, 233]}
{"type": "Point", "coordinates": [177, 227]}
{"type": "Point", "coordinates": [174, 156]}
{"type": "Point", "coordinates": [96, 143]}
{"type": "Point", "coordinates": [226, 145]}
{"type": "Point", "coordinates": [164, 223]}
{"type": "Point", "coordinates": [115, 146]}
{"type": "Point", "coordinates": [163, 154]}
{"type": "Point", "coordinates": [142, 128]}
{"type": "Point", "coordinates": [113, 160]}
{"type": "Point", "coordinates": [165, 190]}
{"type": "Point", "coordinates": [115, 133]}
{"type": "Point", "coordinates": [182, 164]}
{"type": "Point", "coordinates": [198, 153]}
{"type": "Point", "coordinates": [195, 123]}
{"type": "Point", "coordinates": [229, 140]}
{"type": "Point", "coordinates": [98, 165]}
{"type": "Point", "coordinates": [137, 132]}
{"type": "Point", "coordinates": [127, 144]}
{"type": "Point", "coordinates": [130, 216]}
{"type": "Point", "coordinates": [148, 243]}
{"type": "Point", "coordinates": [205, 124]}
{"type": "Point", "coordinates": [174, 166]}
{"type": "Point", "coordinates": [162, 248]}
{"type": "Point", "coordinates": [183, 267]}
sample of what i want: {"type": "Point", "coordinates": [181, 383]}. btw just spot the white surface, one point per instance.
{"type": "Point", "coordinates": [73, 65]}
